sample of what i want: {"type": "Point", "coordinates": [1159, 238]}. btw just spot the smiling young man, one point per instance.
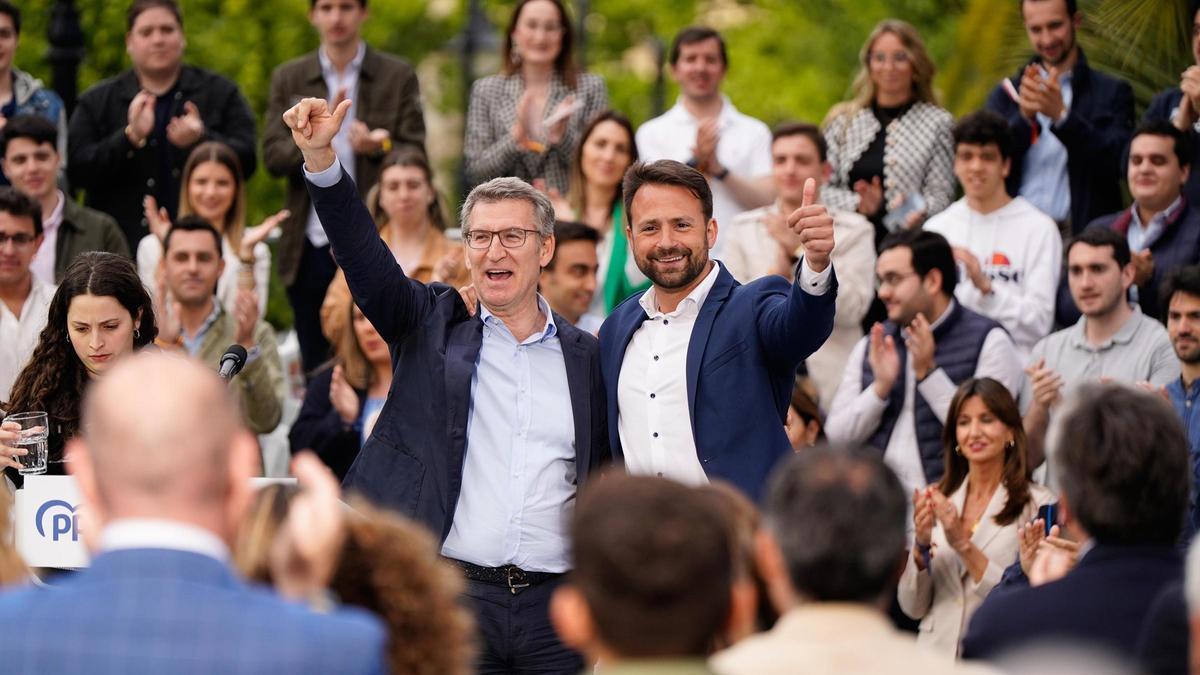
{"type": "Point", "coordinates": [1011, 252]}
{"type": "Point", "coordinates": [900, 378]}
{"type": "Point", "coordinates": [568, 281]}
{"type": "Point", "coordinates": [24, 299]}
{"type": "Point", "coordinates": [132, 133]}
{"type": "Point", "coordinates": [1181, 293]}
{"type": "Point", "coordinates": [1113, 340]}
{"type": "Point", "coordinates": [699, 369]}
{"type": "Point", "coordinates": [385, 112]}
{"type": "Point", "coordinates": [1070, 123]}
{"type": "Point", "coordinates": [493, 420]}
{"type": "Point", "coordinates": [31, 161]}
{"type": "Point", "coordinates": [761, 243]}
{"type": "Point", "coordinates": [704, 130]}
{"type": "Point", "coordinates": [1162, 227]}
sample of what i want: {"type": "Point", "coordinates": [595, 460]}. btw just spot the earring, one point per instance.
{"type": "Point", "coordinates": [1012, 443]}
{"type": "Point", "coordinates": [137, 334]}
{"type": "Point", "coordinates": [514, 55]}
{"type": "Point", "coordinates": [958, 449]}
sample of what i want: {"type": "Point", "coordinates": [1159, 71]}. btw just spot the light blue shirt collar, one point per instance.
{"type": "Point", "coordinates": [549, 329]}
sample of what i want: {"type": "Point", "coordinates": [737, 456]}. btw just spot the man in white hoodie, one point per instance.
{"type": "Point", "coordinates": [1009, 251]}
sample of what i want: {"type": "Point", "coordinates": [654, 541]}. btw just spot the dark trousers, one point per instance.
{"type": "Point", "coordinates": [515, 633]}
{"type": "Point", "coordinates": [306, 294]}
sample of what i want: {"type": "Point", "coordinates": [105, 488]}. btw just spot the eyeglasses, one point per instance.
{"type": "Point", "coordinates": [881, 58]}
{"type": "Point", "coordinates": [513, 237]}
{"type": "Point", "coordinates": [892, 279]}
{"type": "Point", "coordinates": [20, 239]}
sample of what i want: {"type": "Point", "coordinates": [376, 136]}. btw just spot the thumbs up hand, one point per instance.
{"type": "Point", "coordinates": [815, 226]}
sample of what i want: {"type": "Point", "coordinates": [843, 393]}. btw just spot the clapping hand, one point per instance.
{"type": "Point", "coordinates": [870, 196]}
{"type": "Point", "coordinates": [9, 433]}
{"type": "Point", "coordinates": [157, 218]}
{"type": "Point", "coordinates": [1189, 105]}
{"type": "Point", "coordinates": [1041, 93]}
{"type": "Point", "coordinates": [920, 344]}
{"type": "Point", "coordinates": [367, 141]}
{"type": "Point", "coordinates": [1143, 266]}
{"type": "Point", "coordinates": [1047, 385]}
{"type": "Point", "coordinates": [314, 124]}
{"type": "Point", "coordinates": [308, 545]}
{"type": "Point", "coordinates": [140, 117]}
{"type": "Point", "coordinates": [956, 532]}
{"type": "Point", "coordinates": [815, 226]}
{"type": "Point", "coordinates": [884, 361]}
{"type": "Point", "coordinates": [342, 396]}
{"type": "Point", "coordinates": [974, 270]}
{"type": "Point", "coordinates": [255, 235]}
{"type": "Point", "coordinates": [245, 312]}
{"type": "Point", "coordinates": [187, 129]}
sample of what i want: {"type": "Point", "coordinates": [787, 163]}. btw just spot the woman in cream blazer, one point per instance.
{"type": "Point", "coordinates": [966, 525]}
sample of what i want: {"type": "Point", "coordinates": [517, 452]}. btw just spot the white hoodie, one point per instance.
{"type": "Point", "coordinates": [1020, 250]}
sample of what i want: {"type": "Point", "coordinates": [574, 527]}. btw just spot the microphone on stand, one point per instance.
{"type": "Point", "coordinates": [232, 362]}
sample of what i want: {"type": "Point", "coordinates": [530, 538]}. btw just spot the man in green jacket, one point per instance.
{"type": "Point", "coordinates": [191, 319]}
{"type": "Point", "coordinates": [31, 161]}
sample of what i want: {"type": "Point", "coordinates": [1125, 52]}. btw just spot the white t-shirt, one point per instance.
{"type": "Point", "coordinates": [744, 148]}
{"type": "Point", "coordinates": [1020, 250]}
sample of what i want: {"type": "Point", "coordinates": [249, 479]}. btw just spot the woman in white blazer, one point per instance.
{"type": "Point", "coordinates": [966, 525]}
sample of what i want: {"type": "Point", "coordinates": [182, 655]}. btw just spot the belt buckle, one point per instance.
{"type": "Point", "coordinates": [515, 576]}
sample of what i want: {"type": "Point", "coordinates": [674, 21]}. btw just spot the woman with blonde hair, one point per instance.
{"type": "Point", "coordinates": [966, 525]}
{"type": "Point", "coordinates": [390, 567]}
{"type": "Point", "coordinates": [890, 146]}
{"type": "Point", "coordinates": [213, 188]}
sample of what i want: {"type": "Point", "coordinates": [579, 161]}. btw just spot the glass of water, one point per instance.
{"type": "Point", "coordinates": [33, 436]}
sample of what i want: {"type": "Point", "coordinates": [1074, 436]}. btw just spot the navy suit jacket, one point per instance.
{"type": "Point", "coordinates": [741, 363]}
{"type": "Point", "coordinates": [1095, 133]}
{"type": "Point", "coordinates": [1104, 601]}
{"type": "Point", "coordinates": [1160, 109]}
{"type": "Point", "coordinates": [413, 460]}
{"type": "Point", "coordinates": [159, 611]}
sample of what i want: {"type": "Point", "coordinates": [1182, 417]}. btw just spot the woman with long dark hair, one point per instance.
{"type": "Point", "coordinates": [100, 313]}
{"type": "Point", "coordinates": [525, 121]}
{"type": "Point", "coordinates": [966, 525]}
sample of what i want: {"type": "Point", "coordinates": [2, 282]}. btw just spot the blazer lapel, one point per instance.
{"type": "Point", "coordinates": [578, 385]}
{"type": "Point", "coordinates": [462, 351]}
{"type": "Point", "coordinates": [700, 332]}
{"type": "Point", "coordinates": [863, 128]}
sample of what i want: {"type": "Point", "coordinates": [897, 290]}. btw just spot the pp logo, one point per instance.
{"type": "Point", "coordinates": [62, 523]}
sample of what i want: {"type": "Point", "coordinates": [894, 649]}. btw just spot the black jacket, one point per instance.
{"type": "Point", "coordinates": [320, 428]}
{"type": "Point", "coordinates": [1160, 109]}
{"type": "Point", "coordinates": [1095, 133]}
{"type": "Point", "coordinates": [116, 176]}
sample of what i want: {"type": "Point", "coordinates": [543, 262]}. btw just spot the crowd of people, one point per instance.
{"type": "Point", "coordinates": [693, 396]}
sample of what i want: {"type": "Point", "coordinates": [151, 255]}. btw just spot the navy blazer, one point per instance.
{"type": "Point", "coordinates": [1160, 109]}
{"type": "Point", "coordinates": [159, 611]}
{"type": "Point", "coordinates": [745, 347]}
{"type": "Point", "coordinates": [413, 461]}
{"type": "Point", "coordinates": [1095, 133]}
{"type": "Point", "coordinates": [1103, 601]}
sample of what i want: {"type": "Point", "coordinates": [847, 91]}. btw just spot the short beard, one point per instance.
{"type": "Point", "coordinates": [1184, 357]}
{"type": "Point", "coordinates": [695, 266]}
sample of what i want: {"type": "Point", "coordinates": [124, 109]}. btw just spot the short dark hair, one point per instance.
{"type": "Point", "coordinates": [810, 131]}
{"type": "Point", "coordinates": [1162, 127]}
{"type": "Point", "coordinates": [566, 231]}
{"type": "Point", "coordinates": [32, 126]}
{"type": "Point", "coordinates": [982, 128]}
{"type": "Point", "coordinates": [1102, 236]}
{"type": "Point", "coordinates": [1072, 6]}
{"type": "Point", "coordinates": [666, 172]}
{"type": "Point", "coordinates": [191, 223]}
{"type": "Point", "coordinates": [693, 34]}
{"type": "Point", "coordinates": [654, 561]}
{"type": "Point", "coordinates": [839, 516]}
{"type": "Point", "coordinates": [313, 3]}
{"type": "Point", "coordinates": [18, 204]}
{"type": "Point", "coordinates": [1180, 280]}
{"type": "Point", "coordinates": [1123, 465]}
{"type": "Point", "coordinates": [930, 251]}
{"type": "Point", "coordinates": [139, 6]}
{"type": "Point", "coordinates": [13, 13]}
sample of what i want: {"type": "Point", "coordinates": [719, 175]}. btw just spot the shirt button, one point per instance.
{"type": "Point", "coordinates": [656, 357]}
{"type": "Point", "coordinates": [651, 395]}
{"type": "Point", "coordinates": [665, 322]}
{"type": "Point", "coordinates": [660, 474]}
{"type": "Point", "coordinates": [149, 182]}
{"type": "Point", "coordinates": [655, 434]}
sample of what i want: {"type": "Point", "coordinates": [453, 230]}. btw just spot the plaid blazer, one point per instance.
{"type": "Point", "coordinates": [918, 157]}
{"type": "Point", "coordinates": [164, 611]}
{"type": "Point", "coordinates": [489, 146]}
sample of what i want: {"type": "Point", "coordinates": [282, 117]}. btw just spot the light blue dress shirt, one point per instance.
{"type": "Point", "coordinates": [1045, 182]}
{"type": "Point", "coordinates": [518, 482]}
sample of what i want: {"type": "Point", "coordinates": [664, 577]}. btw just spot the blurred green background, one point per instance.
{"type": "Point", "coordinates": [789, 59]}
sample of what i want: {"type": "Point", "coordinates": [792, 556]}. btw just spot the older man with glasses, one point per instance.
{"type": "Point", "coordinates": [493, 420]}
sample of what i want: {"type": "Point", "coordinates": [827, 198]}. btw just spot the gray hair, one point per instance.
{"type": "Point", "coordinates": [509, 188]}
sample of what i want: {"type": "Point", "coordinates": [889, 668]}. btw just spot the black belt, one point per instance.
{"type": "Point", "coordinates": [513, 577]}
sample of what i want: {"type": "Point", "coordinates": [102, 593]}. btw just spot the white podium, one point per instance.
{"type": "Point", "coordinates": [47, 525]}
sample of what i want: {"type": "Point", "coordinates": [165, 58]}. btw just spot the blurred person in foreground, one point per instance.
{"type": "Point", "coordinates": [99, 315]}
{"type": "Point", "coordinates": [831, 550]}
{"type": "Point", "coordinates": [654, 569]}
{"type": "Point", "coordinates": [967, 524]}
{"type": "Point", "coordinates": [1123, 466]}
{"type": "Point", "coordinates": [160, 595]}
{"type": "Point", "coordinates": [343, 399]}
{"type": "Point", "coordinates": [388, 566]}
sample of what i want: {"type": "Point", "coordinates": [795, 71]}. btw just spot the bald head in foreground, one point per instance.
{"type": "Point", "coordinates": [164, 468]}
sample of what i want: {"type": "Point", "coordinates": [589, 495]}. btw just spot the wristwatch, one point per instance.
{"type": "Point", "coordinates": [723, 174]}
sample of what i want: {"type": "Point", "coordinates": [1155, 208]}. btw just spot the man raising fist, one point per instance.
{"type": "Point", "coordinates": [699, 368]}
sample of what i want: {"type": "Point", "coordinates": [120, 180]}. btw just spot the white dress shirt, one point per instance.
{"type": "Point", "coordinates": [744, 148]}
{"type": "Point", "coordinates": [131, 533]}
{"type": "Point", "coordinates": [335, 82]}
{"type": "Point", "coordinates": [653, 418]}
{"type": "Point", "coordinates": [42, 265]}
{"type": "Point", "coordinates": [19, 334]}
{"type": "Point", "coordinates": [856, 411]}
